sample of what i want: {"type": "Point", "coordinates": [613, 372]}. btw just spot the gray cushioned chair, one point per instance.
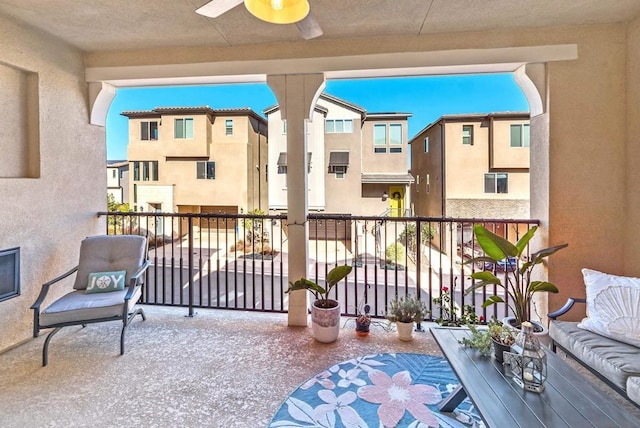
{"type": "Point", "coordinates": [97, 254]}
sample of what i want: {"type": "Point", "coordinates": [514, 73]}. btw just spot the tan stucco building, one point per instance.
{"type": "Point", "coordinates": [354, 158]}
{"type": "Point", "coordinates": [472, 166]}
{"type": "Point", "coordinates": [197, 160]}
{"type": "Point", "coordinates": [61, 64]}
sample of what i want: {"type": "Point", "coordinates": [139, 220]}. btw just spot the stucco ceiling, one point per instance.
{"type": "Point", "coordinates": [98, 25]}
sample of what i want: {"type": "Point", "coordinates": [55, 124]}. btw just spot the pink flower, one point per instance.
{"type": "Point", "coordinates": [395, 395]}
{"type": "Point", "coordinates": [481, 318]}
{"type": "Point", "coordinates": [445, 289]}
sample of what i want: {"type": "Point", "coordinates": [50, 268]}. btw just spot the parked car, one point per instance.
{"type": "Point", "coordinates": [508, 265]}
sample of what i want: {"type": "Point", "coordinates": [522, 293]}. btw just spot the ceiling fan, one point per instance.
{"type": "Point", "coordinates": [274, 11]}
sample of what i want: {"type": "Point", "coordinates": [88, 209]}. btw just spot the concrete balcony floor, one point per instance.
{"type": "Point", "coordinates": [217, 369]}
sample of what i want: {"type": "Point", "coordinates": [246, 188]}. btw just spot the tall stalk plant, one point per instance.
{"type": "Point", "coordinates": [518, 285]}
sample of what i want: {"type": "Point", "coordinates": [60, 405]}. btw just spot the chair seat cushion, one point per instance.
{"type": "Point", "coordinates": [614, 360]}
{"type": "Point", "coordinates": [77, 306]}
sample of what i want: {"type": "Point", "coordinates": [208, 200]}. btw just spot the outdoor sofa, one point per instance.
{"type": "Point", "coordinates": [607, 341]}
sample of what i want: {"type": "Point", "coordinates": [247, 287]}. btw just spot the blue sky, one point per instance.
{"type": "Point", "coordinates": [427, 98]}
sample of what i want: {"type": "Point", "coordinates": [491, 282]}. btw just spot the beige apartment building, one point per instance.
{"type": "Point", "coordinates": [357, 162]}
{"type": "Point", "coordinates": [197, 160]}
{"type": "Point", "coordinates": [472, 166]}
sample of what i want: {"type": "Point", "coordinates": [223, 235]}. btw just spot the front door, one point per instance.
{"type": "Point", "coordinates": [396, 201]}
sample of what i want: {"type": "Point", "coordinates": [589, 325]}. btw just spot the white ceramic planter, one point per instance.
{"type": "Point", "coordinates": [325, 323]}
{"type": "Point", "coordinates": [405, 330]}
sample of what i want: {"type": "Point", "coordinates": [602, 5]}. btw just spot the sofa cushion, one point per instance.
{"type": "Point", "coordinates": [613, 306]}
{"type": "Point", "coordinates": [78, 306]}
{"type": "Point", "coordinates": [633, 389]}
{"type": "Point", "coordinates": [614, 360]}
{"type": "Point", "coordinates": [110, 253]}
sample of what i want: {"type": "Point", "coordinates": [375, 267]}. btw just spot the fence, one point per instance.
{"type": "Point", "coordinates": [239, 261]}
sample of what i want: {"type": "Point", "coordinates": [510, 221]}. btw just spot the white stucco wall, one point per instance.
{"type": "Point", "coordinates": [48, 216]}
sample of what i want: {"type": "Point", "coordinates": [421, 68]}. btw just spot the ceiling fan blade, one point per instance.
{"type": "Point", "coordinates": [309, 27]}
{"type": "Point", "coordinates": [215, 8]}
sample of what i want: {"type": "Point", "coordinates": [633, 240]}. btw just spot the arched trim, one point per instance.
{"type": "Point", "coordinates": [100, 97]}
{"type": "Point", "coordinates": [531, 79]}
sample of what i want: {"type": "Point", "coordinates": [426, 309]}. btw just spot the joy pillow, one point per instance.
{"type": "Point", "coordinates": [102, 282]}
{"type": "Point", "coordinates": [613, 306]}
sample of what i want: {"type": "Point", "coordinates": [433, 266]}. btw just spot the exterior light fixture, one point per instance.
{"type": "Point", "coordinates": [385, 196]}
{"type": "Point", "coordinates": [278, 11]}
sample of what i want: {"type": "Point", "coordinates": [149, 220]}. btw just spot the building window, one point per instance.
{"type": "Point", "coordinates": [205, 170]}
{"type": "Point", "coordinates": [282, 163]}
{"type": "Point", "coordinates": [380, 134]}
{"type": "Point", "coordinates": [183, 128]}
{"type": "Point", "coordinates": [520, 135]}
{"type": "Point", "coordinates": [395, 134]}
{"type": "Point", "coordinates": [428, 182]}
{"type": "Point", "coordinates": [338, 126]}
{"type": "Point", "coordinates": [228, 127]}
{"type": "Point", "coordinates": [149, 131]}
{"type": "Point", "coordinates": [467, 134]}
{"type": "Point", "coordinates": [284, 127]}
{"type": "Point", "coordinates": [426, 144]}
{"type": "Point", "coordinates": [338, 163]}
{"type": "Point", "coordinates": [145, 171]}
{"type": "Point", "coordinates": [113, 173]}
{"type": "Point", "coordinates": [380, 138]}
{"type": "Point", "coordinates": [496, 183]}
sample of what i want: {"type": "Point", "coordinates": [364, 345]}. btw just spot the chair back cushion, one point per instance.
{"type": "Point", "coordinates": [109, 253]}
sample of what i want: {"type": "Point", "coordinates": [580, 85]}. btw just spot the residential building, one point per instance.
{"type": "Point", "coordinates": [356, 161]}
{"type": "Point", "coordinates": [197, 160]}
{"type": "Point", "coordinates": [118, 180]}
{"type": "Point", "coordinates": [472, 166]}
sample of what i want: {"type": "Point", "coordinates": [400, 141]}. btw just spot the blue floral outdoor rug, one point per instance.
{"type": "Point", "coordinates": [376, 391]}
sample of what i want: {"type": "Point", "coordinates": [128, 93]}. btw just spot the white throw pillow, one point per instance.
{"type": "Point", "coordinates": [613, 306]}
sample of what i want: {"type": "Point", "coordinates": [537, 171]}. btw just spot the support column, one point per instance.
{"type": "Point", "coordinates": [297, 95]}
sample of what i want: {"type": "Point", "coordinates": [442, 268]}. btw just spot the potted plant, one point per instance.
{"type": "Point", "coordinates": [518, 284]}
{"type": "Point", "coordinates": [325, 312]}
{"type": "Point", "coordinates": [496, 334]}
{"type": "Point", "coordinates": [363, 321]}
{"type": "Point", "coordinates": [502, 336]}
{"type": "Point", "coordinates": [405, 311]}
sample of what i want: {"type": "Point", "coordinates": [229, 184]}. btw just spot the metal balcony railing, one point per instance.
{"type": "Point", "coordinates": [239, 261]}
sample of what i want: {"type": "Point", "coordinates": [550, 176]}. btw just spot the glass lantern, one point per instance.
{"type": "Point", "coordinates": [528, 360]}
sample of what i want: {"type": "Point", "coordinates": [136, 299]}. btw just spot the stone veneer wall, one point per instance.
{"type": "Point", "coordinates": [517, 209]}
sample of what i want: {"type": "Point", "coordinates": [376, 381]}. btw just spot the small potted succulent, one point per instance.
{"type": "Point", "coordinates": [502, 336]}
{"type": "Point", "coordinates": [404, 312]}
{"type": "Point", "coordinates": [363, 321]}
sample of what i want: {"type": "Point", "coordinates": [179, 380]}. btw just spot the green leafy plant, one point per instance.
{"type": "Point", "coordinates": [479, 339]}
{"type": "Point", "coordinates": [501, 333]}
{"type": "Point", "coordinates": [394, 253]}
{"type": "Point", "coordinates": [482, 337]}
{"type": "Point", "coordinates": [452, 316]}
{"type": "Point", "coordinates": [406, 309]}
{"type": "Point", "coordinates": [518, 285]}
{"type": "Point", "coordinates": [408, 235]}
{"type": "Point", "coordinates": [334, 276]}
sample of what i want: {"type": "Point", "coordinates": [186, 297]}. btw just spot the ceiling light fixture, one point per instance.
{"type": "Point", "coordinates": [278, 11]}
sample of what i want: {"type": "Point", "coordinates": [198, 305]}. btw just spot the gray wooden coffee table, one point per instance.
{"type": "Point", "coordinates": [568, 400]}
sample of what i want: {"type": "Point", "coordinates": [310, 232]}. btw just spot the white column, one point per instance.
{"type": "Point", "coordinates": [297, 95]}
